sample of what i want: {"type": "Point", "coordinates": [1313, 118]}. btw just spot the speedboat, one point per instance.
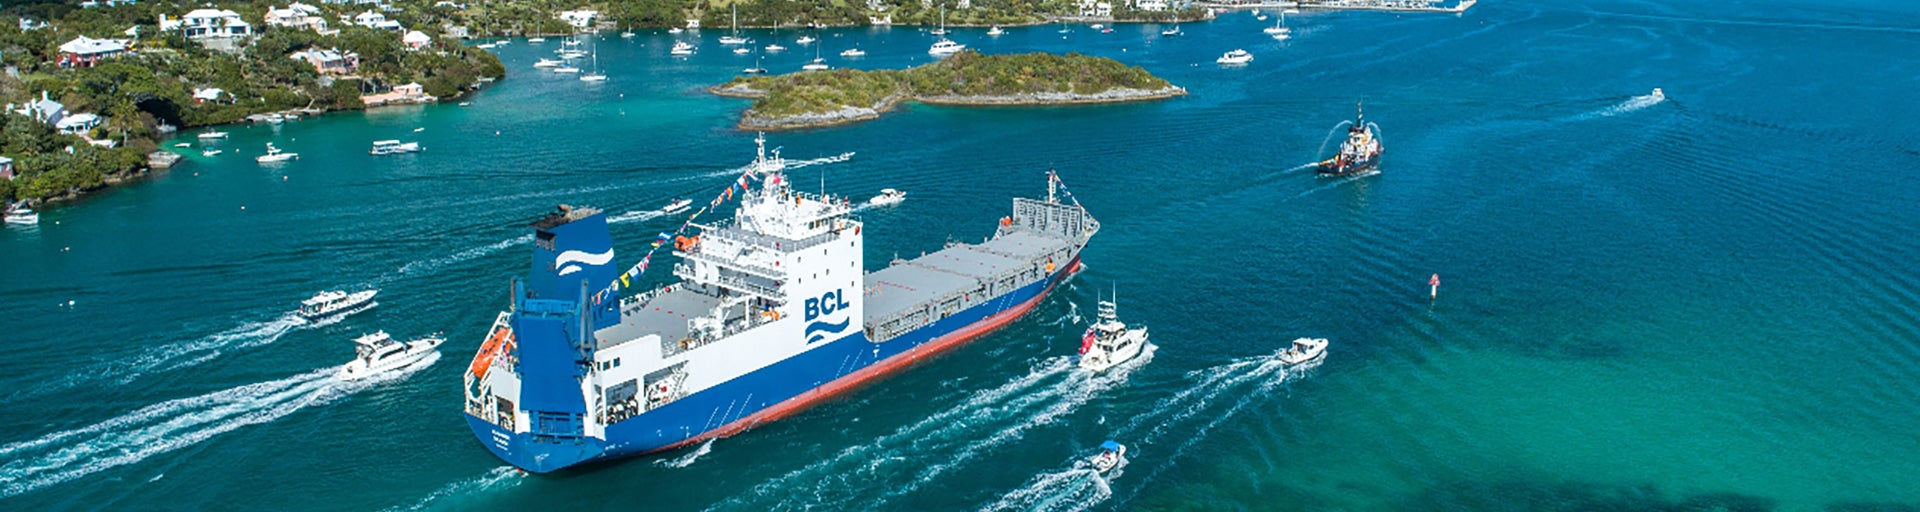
{"type": "Point", "coordinates": [275, 155]}
{"type": "Point", "coordinates": [818, 64]}
{"type": "Point", "coordinates": [679, 204]}
{"type": "Point", "coordinates": [675, 30]}
{"type": "Point", "coordinates": [336, 303]}
{"type": "Point", "coordinates": [775, 47]}
{"type": "Point", "coordinates": [1234, 58]}
{"type": "Point", "coordinates": [1109, 342]}
{"type": "Point", "coordinates": [547, 63]}
{"type": "Point", "coordinates": [995, 31]}
{"type": "Point", "coordinates": [1304, 350]}
{"type": "Point", "coordinates": [210, 152]}
{"type": "Point", "coordinates": [536, 39]}
{"type": "Point", "coordinates": [378, 353]}
{"type": "Point", "coordinates": [888, 197]}
{"type": "Point", "coordinates": [183, 145]}
{"type": "Point", "coordinates": [681, 48]}
{"type": "Point", "coordinates": [1170, 32]}
{"type": "Point", "coordinates": [393, 147]}
{"type": "Point", "coordinates": [22, 215]}
{"type": "Point", "coordinates": [566, 69]}
{"type": "Point", "coordinates": [1097, 26]}
{"type": "Point", "coordinates": [806, 40]}
{"type": "Point", "coordinates": [1111, 453]}
{"type": "Point", "coordinates": [1262, 17]}
{"type": "Point", "coordinates": [213, 135]}
{"type": "Point", "coordinates": [946, 47]}
{"type": "Point", "coordinates": [742, 51]}
{"type": "Point", "coordinates": [852, 52]}
{"type": "Point", "coordinates": [1659, 94]}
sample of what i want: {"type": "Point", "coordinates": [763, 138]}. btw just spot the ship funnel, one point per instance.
{"type": "Point", "coordinates": [572, 246]}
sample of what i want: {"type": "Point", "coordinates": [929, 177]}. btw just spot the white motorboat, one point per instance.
{"type": "Point", "coordinates": [210, 152]}
{"type": "Point", "coordinates": [1171, 32]}
{"type": "Point", "coordinates": [213, 135]}
{"type": "Point", "coordinates": [393, 147]}
{"type": "Point", "coordinates": [818, 64]}
{"type": "Point", "coordinates": [1290, 10]}
{"type": "Point", "coordinates": [679, 204]}
{"type": "Point", "coordinates": [183, 145]}
{"type": "Point", "coordinates": [888, 197]}
{"type": "Point", "coordinates": [681, 48]}
{"type": "Point", "coordinates": [946, 47]}
{"type": "Point", "coordinates": [852, 52]}
{"type": "Point", "coordinates": [806, 40]}
{"type": "Point", "coordinates": [1234, 58]}
{"type": "Point", "coordinates": [487, 46]}
{"type": "Point", "coordinates": [566, 70]}
{"type": "Point", "coordinates": [995, 31]}
{"type": "Point", "coordinates": [570, 42]}
{"type": "Point", "coordinates": [22, 215]}
{"type": "Point", "coordinates": [1659, 94]}
{"type": "Point", "coordinates": [775, 47]}
{"type": "Point", "coordinates": [1108, 342]}
{"type": "Point", "coordinates": [336, 303]}
{"type": "Point", "coordinates": [1304, 350]}
{"type": "Point", "coordinates": [742, 51]}
{"type": "Point", "coordinates": [675, 30]}
{"type": "Point", "coordinates": [1110, 456]}
{"type": "Point", "coordinates": [1262, 17]}
{"type": "Point", "coordinates": [536, 39]}
{"type": "Point", "coordinates": [275, 155]}
{"type": "Point", "coordinates": [735, 38]}
{"type": "Point", "coordinates": [378, 353]}
{"type": "Point", "coordinates": [547, 63]}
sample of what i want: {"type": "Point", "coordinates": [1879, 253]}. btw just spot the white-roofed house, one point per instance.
{"type": "Point", "coordinates": [298, 16]}
{"type": "Point", "coordinates": [204, 95]}
{"type": "Point", "coordinates": [375, 20]}
{"type": "Point", "coordinates": [416, 40]}
{"type": "Point", "coordinates": [84, 52]}
{"type": "Point", "coordinates": [211, 23]}
{"type": "Point", "coordinates": [579, 19]}
{"type": "Point", "coordinates": [78, 123]}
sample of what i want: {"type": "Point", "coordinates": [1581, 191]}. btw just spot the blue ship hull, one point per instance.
{"type": "Point", "coordinates": [766, 394]}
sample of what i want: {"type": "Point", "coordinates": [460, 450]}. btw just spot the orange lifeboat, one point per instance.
{"type": "Point", "coordinates": [498, 342]}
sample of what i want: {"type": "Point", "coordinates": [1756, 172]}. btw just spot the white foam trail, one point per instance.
{"type": "Point", "coordinates": [1074, 489]}
{"type": "Point", "coordinates": [170, 356]}
{"type": "Point", "coordinates": [1632, 104]}
{"type": "Point", "coordinates": [503, 476]}
{"type": "Point", "coordinates": [1338, 183]}
{"type": "Point", "coordinates": [632, 216]}
{"type": "Point", "coordinates": [429, 265]}
{"type": "Point", "coordinates": [167, 426]}
{"type": "Point", "coordinates": [688, 459]}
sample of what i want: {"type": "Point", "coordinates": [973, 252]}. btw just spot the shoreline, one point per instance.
{"type": "Point", "coordinates": [848, 114]}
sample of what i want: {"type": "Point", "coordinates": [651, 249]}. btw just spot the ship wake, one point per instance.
{"type": "Point", "coordinates": [454, 496]}
{"type": "Point", "coordinates": [1631, 105]}
{"type": "Point", "coordinates": [167, 426]}
{"type": "Point", "coordinates": [914, 455]}
{"type": "Point", "coordinates": [688, 459]}
{"type": "Point", "coordinates": [168, 357]}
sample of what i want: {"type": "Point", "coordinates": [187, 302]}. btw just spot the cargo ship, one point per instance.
{"type": "Point", "coordinates": [1359, 153]}
{"type": "Point", "coordinates": [771, 312]}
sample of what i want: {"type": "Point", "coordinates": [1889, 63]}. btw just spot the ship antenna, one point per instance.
{"type": "Point", "coordinates": [1053, 183]}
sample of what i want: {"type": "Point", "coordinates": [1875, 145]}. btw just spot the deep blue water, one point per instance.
{"type": "Point", "coordinates": [1703, 301]}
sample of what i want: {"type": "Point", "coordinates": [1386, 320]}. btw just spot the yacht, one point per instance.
{"type": "Point", "coordinates": [336, 303]}
{"type": "Point", "coordinates": [1111, 453]}
{"type": "Point", "coordinates": [1234, 58]}
{"type": "Point", "coordinates": [1171, 32]}
{"type": "Point", "coordinates": [888, 197]}
{"type": "Point", "coordinates": [393, 147]}
{"type": "Point", "coordinates": [942, 29]}
{"type": "Point", "coordinates": [1109, 342]}
{"type": "Point", "coordinates": [681, 48]}
{"type": "Point", "coordinates": [596, 75]}
{"type": "Point", "coordinates": [852, 52]}
{"type": "Point", "coordinates": [22, 215]}
{"type": "Point", "coordinates": [213, 135]}
{"type": "Point", "coordinates": [275, 155]}
{"type": "Point", "coordinates": [735, 38]}
{"type": "Point", "coordinates": [818, 64]}
{"type": "Point", "coordinates": [679, 204]}
{"type": "Point", "coordinates": [210, 152]}
{"type": "Point", "coordinates": [1279, 28]}
{"type": "Point", "coordinates": [378, 353]}
{"type": "Point", "coordinates": [775, 47]}
{"type": "Point", "coordinates": [995, 31]}
{"type": "Point", "coordinates": [806, 40]}
{"type": "Point", "coordinates": [547, 63]}
{"type": "Point", "coordinates": [946, 47]}
{"type": "Point", "coordinates": [1304, 350]}
{"type": "Point", "coordinates": [536, 39]}
{"type": "Point", "coordinates": [183, 145]}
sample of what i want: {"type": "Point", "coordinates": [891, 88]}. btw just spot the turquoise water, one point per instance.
{"type": "Point", "coordinates": [1699, 302]}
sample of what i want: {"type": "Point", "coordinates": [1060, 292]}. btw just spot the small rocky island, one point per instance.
{"type": "Point", "coordinates": [825, 98]}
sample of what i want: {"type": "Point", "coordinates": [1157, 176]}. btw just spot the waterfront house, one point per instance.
{"type": "Point", "coordinates": [77, 123]}
{"type": "Point", "coordinates": [299, 16]}
{"type": "Point", "coordinates": [401, 94]}
{"type": "Point", "coordinates": [375, 21]}
{"type": "Point", "coordinates": [45, 110]}
{"type": "Point", "coordinates": [1151, 5]}
{"type": "Point", "coordinates": [209, 24]}
{"type": "Point", "coordinates": [330, 61]}
{"type": "Point", "coordinates": [579, 19]}
{"type": "Point", "coordinates": [205, 95]}
{"type": "Point", "coordinates": [89, 4]}
{"type": "Point", "coordinates": [416, 40]}
{"type": "Point", "coordinates": [84, 52]}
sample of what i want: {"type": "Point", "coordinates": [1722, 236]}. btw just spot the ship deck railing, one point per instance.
{"type": "Point", "coordinates": [751, 268]}
{"type": "Point", "coordinates": [683, 271]}
{"type": "Point", "coordinates": [729, 230]}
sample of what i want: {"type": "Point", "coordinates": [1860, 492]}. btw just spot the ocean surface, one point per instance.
{"type": "Point", "coordinates": [1697, 303]}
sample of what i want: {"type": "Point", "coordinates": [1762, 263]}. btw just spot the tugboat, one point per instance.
{"type": "Point", "coordinates": [1303, 351]}
{"type": "Point", "coordinates": [1111, 453]}
{"type": "Point", "coordinates": [332, 303]}
{"type": "Point", "coordinates": [1360, 153]}
{"type": "Point", "coordinates": [378, 353]}
{"type": "Point", "coordinates": [1109, 342]}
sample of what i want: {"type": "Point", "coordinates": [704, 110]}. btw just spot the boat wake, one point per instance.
{"type": "Point", "coordinates": [1244, 381]}
{"type": "Point", "coordinates": [688, 459]}
{"type": "Point", "coordinates": [634, 216]}
{"type": "Point", "coordinates": [449, 496]}
{"type": "Point", "coordinates": [167, 426]}
{"type": "Point", "coordinates": [428, 265]}
{"type": "Point", "coordinates": [169, 357]}
{"type": "Point", "coordinates": [1630, 105]}
{"type": "Point", "coordinates": [923, 451]}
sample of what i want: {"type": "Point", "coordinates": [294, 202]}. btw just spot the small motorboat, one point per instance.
{"type": "Point", "coordinates": [945, 47]}
{"type": "Point", "coordinates": [888, 197]}
{"type": "Point", "coordinates": [681, 48]}
{"type": "Point", "coordinates": [806, 40]}
{"type": "Point", "coordinates": [1235, 58]}
{"type": "Point", "coordinates": [818, 64]}
{"type": "Point", "coordinates": [775, 47]}
{"type": "Point", "coordinates": [566, 70]}
{"type": "Point", "coordinates": [393, 147]}
{"type": "Point", "coordinates": [675, 30]}
{"type": "Point", "coordinates": [995, 31]}
{"type": "Point", "coordinates": [742, 51]}
{"type": "Point", "coordinates": [379, 353]}
{"type": "Point", "coordinates": [210, 152]}
{"type": "Point", "coordinates": [21, 215]}
{"type": "Point", "coordinates": [213, 135]}
{"type": "Point", "coordinates": [1108, 30]}
{"type": "Point", "coordinates": [1262, 17]}
{"type": "Point", "coordinates": [1659, 94]}
{"type": "Point", "coordinates": [1171, 32]}
{"type": "Point", "coordinates": [1097, 26]}
{"type": "Point", "coordinates": [536, 39]}
{"type": "Point", "coordinates": [1110, 456]}
{"type": "Point", "coordinates": [852, 52]}
{"type": "Point", "coordinates": [183, 145]}
{"type": "Point", "coordinates": [1109, 342]}
{"type": "Point", "coordinates": [335, 303]}
{"type": "Point", "coordinates": [679, 204]}
{"type": "Point", "coordinates": [547, 63]}
{"type": "Point", "coordinates": [1304, 350]}
{"type": "Point", "coordinates": [275, 155]}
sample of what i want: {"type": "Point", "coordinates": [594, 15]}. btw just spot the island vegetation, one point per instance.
{"type": "Point", "coordinates": [165, 80]}
{"type": "Point", "coordinates": [825, 98]}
